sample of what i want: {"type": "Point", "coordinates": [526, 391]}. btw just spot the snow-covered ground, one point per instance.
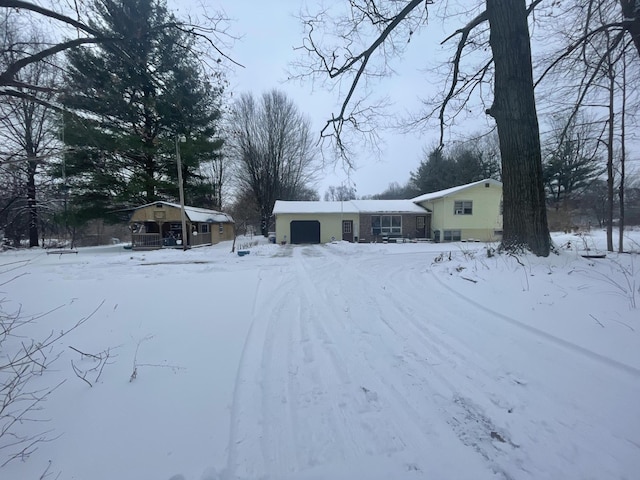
{"type": "Point", "coordinates": [339, 361]}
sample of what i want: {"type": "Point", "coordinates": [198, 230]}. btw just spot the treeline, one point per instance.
{"type": "Point", "coordinates": [574, 172]}
{"type": "Point", "coordinates": [93, 125]}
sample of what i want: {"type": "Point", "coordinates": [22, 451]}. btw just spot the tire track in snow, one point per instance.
{"type": "Point", "coordinates": [594, 356]}
{"type": "Point", "coordinates": [247, 448]}
{"type": "Point", "coordinates": [466, 419]}
{"type": "Point", "coordinates": [402, 420]}
{"type": "Point", "coordinates": [541, 415]}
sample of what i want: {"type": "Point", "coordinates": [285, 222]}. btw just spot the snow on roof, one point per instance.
{"type": "Point", "coordinates": [404, 206]}
{"type": "Point", "coordinates": [371, 206]}
{"type": "Point", "coordinates": [196, 214]}
{"type": "Point", "coordinates": [283, 206]}
{"type": "Point", "coordinates": [452, 190]}
{"type": "Point", "coordinates": [350, 206]}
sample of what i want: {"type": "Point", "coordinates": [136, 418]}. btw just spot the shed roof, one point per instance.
{"type": "Point", "coordinates": [195, 214]}
{"type": "Point", "coordinates": [453, 190]}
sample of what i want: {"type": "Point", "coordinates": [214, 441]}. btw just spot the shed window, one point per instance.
{"type": "Point", "coordinates": [204, 228]}
{"type": "Point", "coordinates": [463, 207]}
{"type": "Point", "coordinates": [386, 224]}
{"type": "Point", "coordinates": [221, 228]}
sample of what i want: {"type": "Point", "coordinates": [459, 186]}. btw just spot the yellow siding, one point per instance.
{"type": "Point", "coordinates": [484, 221]}
{"type": "Point", "coordinates": [330, 225]}
{"type": "Point", "coordinates": [155, 214]}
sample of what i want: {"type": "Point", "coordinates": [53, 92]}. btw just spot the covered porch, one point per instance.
{"type": "Point", "coordinates": [159, 225]}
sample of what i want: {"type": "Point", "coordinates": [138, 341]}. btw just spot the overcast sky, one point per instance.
{"type": "Point", "coordinates": [270, 31]}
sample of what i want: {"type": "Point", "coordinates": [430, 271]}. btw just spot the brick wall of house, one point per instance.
{"type": "Point", "coordinates": [408, 226]}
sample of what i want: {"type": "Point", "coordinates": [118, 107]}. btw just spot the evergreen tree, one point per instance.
{"type": "Point", "coordinates": [129, 101]}
{"type": "Point", "coordinates": [462, 165]}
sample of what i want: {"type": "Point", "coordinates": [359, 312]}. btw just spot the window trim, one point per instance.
{"type": "Point", "coordinates": [453, 235]}
{"type": "Point", "coordinates": [463, 207]}
{"type": "Point", "coordinates": [391, 228]}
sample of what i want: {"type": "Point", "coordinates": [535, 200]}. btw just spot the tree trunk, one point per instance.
{"type": "Point", "coordinates": [623, 155]}
{"type": "Point", "coordinates": [610, 140]}
{"type": "Point", "coordinates": [514, 110]}
{"type": "Point", "coordinates": [32, 206]}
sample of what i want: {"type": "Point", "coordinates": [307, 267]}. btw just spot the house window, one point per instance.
{"type": "Point", "coordinates": [386, 224]}
{"type": "Point", "coordinates": [204, 228]}
{"type": "Point", "coordinates": [501, 207]}
{"type": "Point", "coordinates": [346, 226]}
{"type": "Point", "coordinates": [452, 235]}
{"type": "Point", "coordinates": [221, 228]}
{"type": "Point", "coordinates": [420, 223]}
{"type": "Point", "coordinates": [463, 207]}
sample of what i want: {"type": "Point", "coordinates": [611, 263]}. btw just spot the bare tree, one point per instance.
{"type": "Point", "coordinates": [599, 47]}
{"type": "Point", "coordinates": [81, 31]}
{"type": "Point", "coordinates": [572, 160]}
{"type": "Point", "coordinates": [272, 147]}
{"type": "Point", "coordinates": [23, 362]}
{"type": "Point", "coordinates": [340, 193]}
{"type": "Point", "coordinates": [390, 25]}
{"type": "Point", "coordinates": [28, 123]}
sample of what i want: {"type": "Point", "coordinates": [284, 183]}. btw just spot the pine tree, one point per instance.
{"type": "Point", "coordinates": [127, 102]}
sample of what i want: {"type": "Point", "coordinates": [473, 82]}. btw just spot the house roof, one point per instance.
{"type": "Point", "coordinates": [349, 206]}
{"type": "Point", "coordinates": [195, 214]}
{"type": "Point", "coordinates": [284, 206]}
{"type": "Point", "coordinates": [450, 191]}
{"type": "Point", "coordinates": [372, 206]}
{"type": "Point", "coordinates": [390, 206]}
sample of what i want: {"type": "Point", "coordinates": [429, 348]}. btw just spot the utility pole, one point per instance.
{"type": "Point", "coordinates": [183, 216]}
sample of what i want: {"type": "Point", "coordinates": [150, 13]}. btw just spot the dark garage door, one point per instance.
{"type": "Point", "coordinates": [305, 231]}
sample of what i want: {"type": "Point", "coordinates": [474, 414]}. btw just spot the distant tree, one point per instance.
{"type": "Point", "coordinates": [461, 165]}
{"type": "Point", "coordinates": [340, 193]}
{"type": "Point", "coordinates": [14, 214]}
{"type": "Point", "coordinates": [594, 200]}
{"type": "Point", "coordinates": [28, 126]}
{"type": "Point", "coordinates": [246, 213]}
{"type": "Point", "coordinates": [130, 103]}
{"type": "Point", "coordinates": [572, 162]}
{"type": "Point", "coordinates": [435, 172]}
{"type": "Point", "coordinates": [305, 193]}
{"type": "Point", "coordinates": [273, 150]}
{"type": "Point", "coordinates": [395, 191]}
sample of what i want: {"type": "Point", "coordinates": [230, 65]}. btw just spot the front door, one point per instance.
{"type": "Point", "coordinates": [421, 223]}
{"type": "Point", "coordinates": [347, 230]}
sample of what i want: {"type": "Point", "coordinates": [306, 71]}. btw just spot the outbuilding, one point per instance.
{"type": "Point", "coordinates": [159, 225]}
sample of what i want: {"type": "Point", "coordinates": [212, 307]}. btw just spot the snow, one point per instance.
{"type": "Point", "coordinates": [348, 206]}
{"type": "Point", "coordinates": [338, 361]}
{"type": "Point", "coordinates": [284, 206]}
{"type": "Point", "coordinates": [450, 191]}
{"type": "Point", "coordinates": [196, 214]}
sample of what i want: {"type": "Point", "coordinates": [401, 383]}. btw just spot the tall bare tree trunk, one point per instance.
{"type": "Point", "coordinates": [623, 154]}
{"type": "Point", "coordinates": [514, 110]}
{"type": "Point", "coordinates": [32, 205]}
{"type": "Point", "coordinates": [611, 78]}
